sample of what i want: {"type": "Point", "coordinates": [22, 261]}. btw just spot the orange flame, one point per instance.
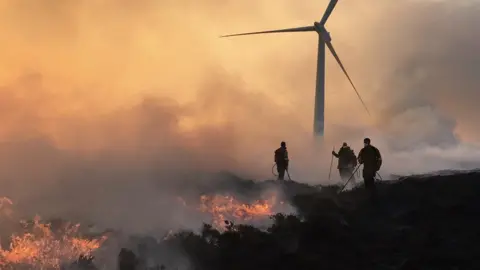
{"type": "Point", "coordinates": [41, 248]}
{"type": "Point", "coordinates": [228, 208]}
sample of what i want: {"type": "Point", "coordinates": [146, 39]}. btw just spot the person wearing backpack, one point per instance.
{"type": "Point", "coordinates": [353, 165]}
{"type": "Point", "coordinates": [347, 161]}
{"type": "Point", "coordinates": [371, 159]}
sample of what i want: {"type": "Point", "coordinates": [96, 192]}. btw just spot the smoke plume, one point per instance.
{"type": "Point", "coordinates": [110, 107]}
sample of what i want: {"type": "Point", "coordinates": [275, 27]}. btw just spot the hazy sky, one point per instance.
{"type": "Point", "coordinates": [97, 93]}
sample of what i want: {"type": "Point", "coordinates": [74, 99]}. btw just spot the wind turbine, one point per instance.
{"type": "Point", "coordinates": [324, 39]}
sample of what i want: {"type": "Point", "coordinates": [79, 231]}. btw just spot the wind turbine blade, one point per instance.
{"type": "Point", "coordinates": [332, 50]}
{"type": "Point", "coordinates": [328, 11]}
{"type": "Point", "coordinates": [288, 30]}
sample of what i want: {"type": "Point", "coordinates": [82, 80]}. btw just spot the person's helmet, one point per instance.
{"type": "Point", "coordinates": [366, 140]}
{"type": "Point", "coordinates": [283, 144]}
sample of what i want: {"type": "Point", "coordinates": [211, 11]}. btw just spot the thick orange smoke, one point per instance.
{"type": "Point", "coordinates": [112, 106]}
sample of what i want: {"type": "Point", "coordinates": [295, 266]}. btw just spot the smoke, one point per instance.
{"type": "Point", "coordinates": [423, 60]}
{"type": "Point", "coordinates": [414, 63]}
{"type": "Point", "coordinates": [111, 108]}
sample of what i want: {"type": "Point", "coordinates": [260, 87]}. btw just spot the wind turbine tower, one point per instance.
{"type": "Point", "coordinates": [324, 39]}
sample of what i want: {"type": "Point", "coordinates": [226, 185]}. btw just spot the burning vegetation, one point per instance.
{"type": "Point", "coordinates": [38, 245]}
{"type": "Point", "coordinates": [226, 207]}
{"type": "Point", "coordinates": [406, 229]}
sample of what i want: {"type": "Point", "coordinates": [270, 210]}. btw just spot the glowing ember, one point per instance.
{"type": "Point", "coordinates": [41, 248]}
{"type": "Point", "coordinates": [228, 208]}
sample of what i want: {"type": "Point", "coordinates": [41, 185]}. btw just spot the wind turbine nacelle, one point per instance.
{"type": "Point", "coordinates": [326, 35]}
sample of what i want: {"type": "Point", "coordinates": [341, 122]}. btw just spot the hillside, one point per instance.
{"type": "Point", "coordinates": [419, 222]}
{"type": "Point", "coordinates": [428, 222]}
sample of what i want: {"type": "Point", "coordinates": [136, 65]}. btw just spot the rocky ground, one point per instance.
{"type": "Point", "coordinates": [428, 222]}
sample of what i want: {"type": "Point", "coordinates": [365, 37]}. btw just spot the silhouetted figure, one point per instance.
{"type": "Point", "coordinates": [347, 161]}
{"type": "Point", "coordinates": [371, 159]}
{"type": "Point", "coordinates": [127, 260]}
{"type": "Point", "coordinates": [281, 159]}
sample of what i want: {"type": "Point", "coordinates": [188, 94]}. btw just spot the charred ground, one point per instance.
{"type": "Point", "coordinates": [428, 222]}
{"type": "Point", "coordinates": [421, 222]}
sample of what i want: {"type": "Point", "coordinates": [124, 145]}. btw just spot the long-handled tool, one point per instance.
{"type": "Point", "coordinates": [286, 170]}
{"type": "Point", "coordinates": [344, 186]}
{"type": "Point", "coordinates": [351, 176]}
{"type": "Point", "coordinates": [288, 174]}
{"type": "Point", "coordinates": [331, 163]}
